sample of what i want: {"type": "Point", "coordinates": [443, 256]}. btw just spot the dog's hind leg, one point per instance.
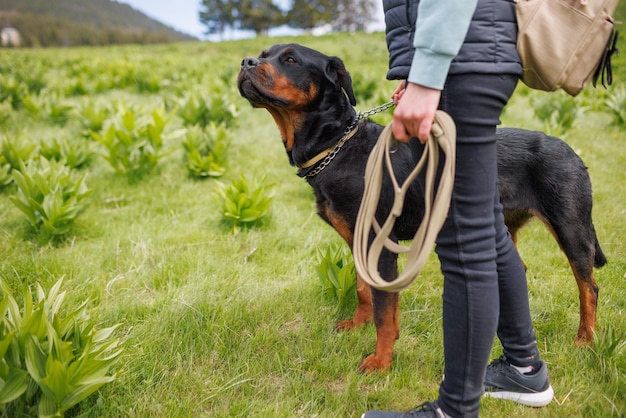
{"type": "Point", "coordinates": [588, 295]}
{"type": "Point", "coordinates": [580, 245]}
{"type": "Point", "coordinates": [515, 220]}
{"type": "Point", "coordinates": [576, 236]}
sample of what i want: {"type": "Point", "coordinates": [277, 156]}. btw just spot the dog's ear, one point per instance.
{"type": "Point", "coordinates": [336, 72]}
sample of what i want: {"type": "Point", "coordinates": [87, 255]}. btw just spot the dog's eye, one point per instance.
{"type": "Point", "coordinates": [290, 60]}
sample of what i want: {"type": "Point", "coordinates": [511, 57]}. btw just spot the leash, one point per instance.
{"type": "Point", "coordinates": [442, 138]}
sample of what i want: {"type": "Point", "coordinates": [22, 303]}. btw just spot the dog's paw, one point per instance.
{"type": "Point", "coordinates": [346, 325]}
{"type": "Point", "coordinates": [360, 319]}
{"type": "Point", "coordinates": [584, 338]}
{"type": "Point", "coordinates": [375, 363]}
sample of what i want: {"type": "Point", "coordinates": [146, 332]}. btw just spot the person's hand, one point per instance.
{"type": "Point", "coordinates": [397, 95]}
{"type": "Point", "coordinates": [415, 110]}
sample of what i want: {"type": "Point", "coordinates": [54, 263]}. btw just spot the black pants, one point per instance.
{"type": "Point", "coordinates": [485, 288]}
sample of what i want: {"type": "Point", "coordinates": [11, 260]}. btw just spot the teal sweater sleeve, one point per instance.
{"type": "Point", "coordinates": [440, 30]}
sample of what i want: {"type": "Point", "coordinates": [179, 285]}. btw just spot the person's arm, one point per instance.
{"type": "Point", "coordinates": [440, 30]}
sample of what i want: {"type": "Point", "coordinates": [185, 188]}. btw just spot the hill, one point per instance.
{"type": "Point", "coordinates": [86, 22]}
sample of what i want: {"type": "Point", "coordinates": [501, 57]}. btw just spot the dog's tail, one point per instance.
{"type": "Point", "coordinates": [599, 258]}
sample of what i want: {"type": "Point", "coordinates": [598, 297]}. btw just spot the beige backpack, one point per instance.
{"type": "Point", "coordinates": [563, 43]}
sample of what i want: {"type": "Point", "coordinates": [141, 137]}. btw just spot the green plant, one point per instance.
{"type": "Point", "coordinates": [608, 350]}
{"type": "Point", "coordinates": [16, 150]}
{"type": "Point", "coordinates": [50, 107]}
{"type": "Point", "coordinates": [147, 81]}
{"type": "Point", "coordinates": [205, 150]}
{"type": "Point", "coordinates": [50, 362]}
{"type": "Point", "coordinates": [74, 153]}
{"type": "Point", "coordinates": [200, 108]}
{"type": "Point", "coordinates": [134, 145]}
{"type": "Point", "coordinates": [57, 111]}
{"type": "Point", "coordinates": [32, 74]}
{"type": "Point", "coordinates": [244, 202]}
{"type": "Point", "coordinates": [32, 104]}
{"type": "Point", "coordinates": [337, 274]}
{"type": "Point", "coordinates": [12, 90]}
{"type": "Point", "coordinates": [50, 196]}
{"type": "Point", "coordinates": [75, 87]}
{"type": "Point", "coordinates": [92, 116]}
{"type": "Point", "coordinates": [5, 112]}
{"type": "Point", "coordinates": [616, 105]}
{"type": "Point", "coordinates": [557, 111]}
{"type": "Point", "coordinates": [5, 173]}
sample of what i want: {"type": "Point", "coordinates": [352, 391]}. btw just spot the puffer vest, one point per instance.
{"type": "Point", "coordinates": [489, 47]}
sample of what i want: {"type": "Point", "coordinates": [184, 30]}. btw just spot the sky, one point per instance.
{"type": "Point", "coordinates": [183, 15]}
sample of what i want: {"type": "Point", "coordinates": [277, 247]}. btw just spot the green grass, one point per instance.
{"type": "Point", "coordinates": [220, 324]}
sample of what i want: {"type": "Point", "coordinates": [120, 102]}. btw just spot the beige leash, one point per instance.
{"type": "Point", "coordinates": [442, 137]}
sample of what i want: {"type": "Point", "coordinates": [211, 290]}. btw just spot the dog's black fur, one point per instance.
{"type": "Point", "coordinates": [311, 99]}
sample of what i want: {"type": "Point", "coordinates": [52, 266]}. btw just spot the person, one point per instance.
{"type": "Point", "coordinates": [460, 56]}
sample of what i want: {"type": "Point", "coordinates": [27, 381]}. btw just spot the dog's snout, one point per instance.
{"type": "Point", "coordinates": [249, 62]}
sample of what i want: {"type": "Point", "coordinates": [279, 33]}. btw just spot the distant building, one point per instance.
{"type": "Point", "coordinates": [10, 37]}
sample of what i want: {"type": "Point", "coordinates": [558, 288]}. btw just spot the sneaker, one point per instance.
{"type": "Point", "coordinates": [503, 381]}
{"type": "Point", "coordinates": [425, 410]}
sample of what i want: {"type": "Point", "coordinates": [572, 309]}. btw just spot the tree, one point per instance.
{"type": "Point", "coordinates": [310, 14]}
{"type": "Point", "coordinates": [262, 15]}
{"type": "Point", "coordinates": [258, 15]}
{"type": "Point", "coordinates": [217, 15]}
{"type": "Point", "coordinates": [353, 15]}
{"type": "Point", "coordinates": [343, 15]}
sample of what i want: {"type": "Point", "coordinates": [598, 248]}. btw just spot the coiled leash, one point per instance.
{"type": "Point", "coordinates": [442, 138]}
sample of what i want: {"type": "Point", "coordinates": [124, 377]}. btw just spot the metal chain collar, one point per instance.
{"type": "Point", "coordinates": [377, 109]}
{"type": "Point", "coordinates": [347, 134]}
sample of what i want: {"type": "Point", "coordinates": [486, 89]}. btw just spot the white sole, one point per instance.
{"type": "Point", "coordinates": [536, 400]}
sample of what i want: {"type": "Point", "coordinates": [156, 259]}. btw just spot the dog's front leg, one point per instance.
{"type": "Point", "coordinates": [386, 310]}
{"type": "Point", "coordinates": [345, 228]}
{"type": "Point", "coordinates": [386, 319]}
{"type": "Point", "coordinates": [364, 312]}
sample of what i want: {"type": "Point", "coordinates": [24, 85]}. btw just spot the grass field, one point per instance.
{"type": "Point", "coordinates": [221, 324]}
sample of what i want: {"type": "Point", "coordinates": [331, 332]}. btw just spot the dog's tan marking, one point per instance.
{"type": "Point", "coordinates": [588, 307]}
{"type": "Point", "coordinates": [288, 123]}
{"type": "Point", "coordinates": [364, 312]}
{"type": "Point", "coordinates": [283, 87]}
{"type": "Point", "coordinates": [289, 118]}
{"type": "Point", "coordinates": [338, 222]}
{"type": "Point", "coordinates": [387, 320]}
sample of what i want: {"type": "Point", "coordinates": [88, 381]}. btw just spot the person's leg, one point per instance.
{"type": "Point", "coordinates": [466, 249]}
{"type": "Point", "coordinates": [515, 329]}
{"type": "Point", "coordinates": [519, 375]}
{"type": "Point", "coordinates": [466, 245]}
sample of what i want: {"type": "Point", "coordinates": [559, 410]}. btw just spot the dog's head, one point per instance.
{"type": "Point", "coordinates": [300, 87]}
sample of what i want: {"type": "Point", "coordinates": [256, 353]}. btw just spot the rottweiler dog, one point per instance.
{"type": "Point", "coordinates": [311, 99]}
